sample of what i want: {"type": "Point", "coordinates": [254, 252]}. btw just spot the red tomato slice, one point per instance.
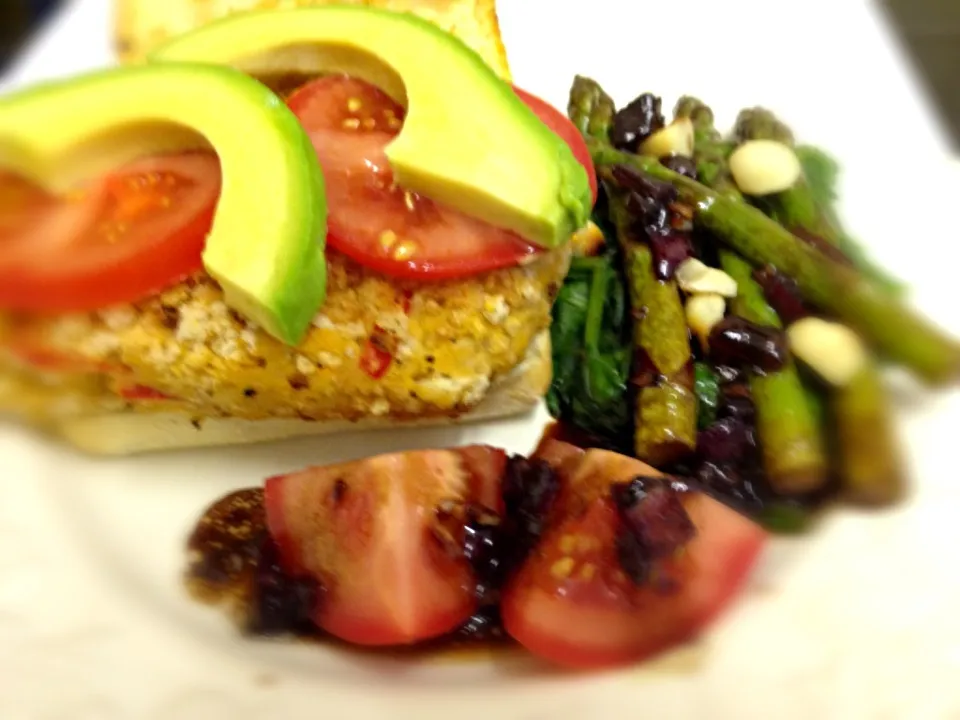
{"type": "Point", "coordinates": [119, 239]}
{"type": "Point", "coordinates": [363, 529]}
{"type": "Point", "coordinates": [572, 604]}
{"type": "Point", "coordinates": [374, 221]}
{"type": "Point", "coordinates": [566, 130]}
{"type": "Point", "coordinates": [21, 203]}
{"type": "Point", "coordinates": [486, 466]}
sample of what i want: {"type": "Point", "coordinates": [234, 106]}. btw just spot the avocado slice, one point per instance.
{"type": "Point", "coordinates": [458, 109]}
{"type": "Point", "coordinates": [266, 246]}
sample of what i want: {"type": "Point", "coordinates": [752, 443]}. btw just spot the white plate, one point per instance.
{"type": "Point", "coordinates": [858, 621]}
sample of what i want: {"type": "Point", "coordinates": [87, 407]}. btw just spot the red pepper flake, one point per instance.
{"type": "Point", "coordinates": [406, 301]}
{"type": "Point", "coordinates": [142, 392]}
{"type": "Point", "coordinates": [376, 357]}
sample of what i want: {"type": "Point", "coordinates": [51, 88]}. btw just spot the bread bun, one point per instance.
{"type": "Point", "coordinates": [128, 433]}
{"type": "Point", "coordinates": [141, 25]}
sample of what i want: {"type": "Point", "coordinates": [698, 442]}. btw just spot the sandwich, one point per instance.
{"type": "Point", "coordinates": [244, 236]}
{"type": "Point", "coordinates": [140, 26]}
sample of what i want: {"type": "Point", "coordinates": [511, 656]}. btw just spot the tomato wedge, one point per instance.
{"type": "Point", "coordinates": [365, 530]}
{"type": "Point", "coordinates": [377, 223]}
{"type": "Point", "coordinates": [118, 239]}
{"type": "Point", "coordinates": [573, 605]}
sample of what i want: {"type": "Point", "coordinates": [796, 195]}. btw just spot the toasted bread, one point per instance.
{"type": "Point", "coordinates": [140, 25]}
{"type": "Point", "coordinates": [128, 433]}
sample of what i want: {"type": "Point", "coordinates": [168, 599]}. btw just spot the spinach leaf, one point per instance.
{"type": "Point", "coordinates": [591, 350]}
{"type": "Point", "coordinates": [822, 174]}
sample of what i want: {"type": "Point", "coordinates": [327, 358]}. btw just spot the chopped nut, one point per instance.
{"type": "Point", "coordinates": [118, 318]}
{"type": "Point", "coordinates": [304, 365]}
{"type": "Point", "coordinates": [588, 240]}
{"type": "Point", "coordinates": [328, 359]}
{"type": "Point", "coordinates": [322, 322]}
{"type": "Point", "coordinates": [495, 309]}
{"type": "Point", "coordinates": [695, 277]}
{"type": "Point", "coordinates": [832, 350]}
{"type": "Point", "coordinates": [764, 167]}
{"type": "Point", "coordinates": [674, 139]}
{"type": "Point", "coordinates": [703, 312]}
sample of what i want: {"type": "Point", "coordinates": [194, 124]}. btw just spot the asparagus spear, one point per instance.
{"type": "Point", "coordinates": [666, 407]}
{"type": "Point", "coordinates": [710, 150]}
{"type": "Point", "coordinates": [793, 449]}
{"type": "Point", "coordinates": [800, 209]}
{"type": "Point", "coordinates": [706, 385]}
{"type": "Point", "coordinates": [590, 109]}
{"type": "Point", "coordinates": [870, 466]}
{"type": "Point", "coordinates": [871, 470]}
{"type": "Point", "coordinates": [894, 329]}
{"type": "Point", "coordinates": [790, 438]}
{"type": "Point", "coordinates": [761, 124]}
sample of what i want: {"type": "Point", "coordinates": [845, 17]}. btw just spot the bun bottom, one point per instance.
{"type": "Point", "coordinates": [130, 433]}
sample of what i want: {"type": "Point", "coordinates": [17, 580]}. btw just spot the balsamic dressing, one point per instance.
{"type": "Point", "coordinates": [234, 564]}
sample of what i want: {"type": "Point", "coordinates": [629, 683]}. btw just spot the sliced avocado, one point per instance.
{"type": "Point", "coordinates": [467, 141]}
{"type": "Point", "coordinates": [266, 247]}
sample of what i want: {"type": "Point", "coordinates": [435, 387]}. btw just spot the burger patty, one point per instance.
{"type": "Point", "coordinates": [378, 347]}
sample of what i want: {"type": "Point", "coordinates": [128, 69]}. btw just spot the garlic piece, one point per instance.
{"type": "Point", "coordinates": [832, 350]}
{"type": "Point", "coordinates": [764, 167]}
{"type": "Point", "coordinates": [695, 277]}
{"type": "Point", "coordinates": [674, 139]}
{"type": "Point", "coordinates": [703, 313]}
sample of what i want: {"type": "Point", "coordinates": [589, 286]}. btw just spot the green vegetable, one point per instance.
{"type": "Point", "coordinates": [894, 329]}
{"type": "Point", "coordinates": [870, 465]}
{"type": "Point", "coordinates": [761, 124]}
{"type": "Point", "coordinates": [590, 108]}
{"type": "Point", "coordinates": [706, 385]}
{"type": "Point", "coordinates": [591, 350]}
{"type": "Point", "coordinates": [710, 150]}
{"type": "Point", "coordinates": [793, 449]}
{"type": "Point", "coordinates": [793, 454]}
{"type": "Point", "coordinates": [666, 407]}
{"type": "Point", "coordinates": [822, 174]}
{"type": "Point", "coordinates": [784, 518]}
{"type": "Point", "coordinates": [809, 206]}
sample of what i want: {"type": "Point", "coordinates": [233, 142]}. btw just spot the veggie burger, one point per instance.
{"type": "Point", "coordinates": [284, 222]}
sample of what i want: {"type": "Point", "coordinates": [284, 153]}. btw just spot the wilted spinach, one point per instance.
{"type": "Point", "coordinates": [591, 350]}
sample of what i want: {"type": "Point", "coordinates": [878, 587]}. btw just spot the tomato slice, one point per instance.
{"type": "Point", "coordinates": [118, 239]}
{"type": "Point", "coordinates": [486, 466]}
{"type": "Point", "coordinates": [377, 223]}
{"type": "Point", "coordinates": [572, 604]}
{"type": "Point", "coordinates": [364, 530]}
{"type": "Point", "coordinates": [566, 130]}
